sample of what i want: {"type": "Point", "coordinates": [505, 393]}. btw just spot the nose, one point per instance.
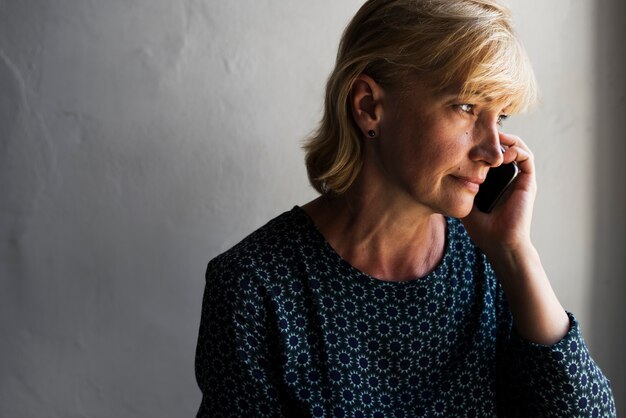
{"type": "Point", "coordinates": [487, 148]}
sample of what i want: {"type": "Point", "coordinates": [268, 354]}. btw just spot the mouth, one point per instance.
{"type": "Point", "coordinates": [470, 183]}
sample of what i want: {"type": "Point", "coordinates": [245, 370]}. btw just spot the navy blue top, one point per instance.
{"type": "Point", "coordinates": [289, 328]}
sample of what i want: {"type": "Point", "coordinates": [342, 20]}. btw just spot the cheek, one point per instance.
{"type": "Point", "coordinates": [456, 144]}
{"type": "Point", "coordinates": [441, 148]}
{"type": "Point", "coordinates": [427, 147]}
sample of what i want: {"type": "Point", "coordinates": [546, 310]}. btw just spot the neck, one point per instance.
{"type": "Point", "coordinates": [385, 240]}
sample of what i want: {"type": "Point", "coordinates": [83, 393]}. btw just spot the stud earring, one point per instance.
{"type": "Point", "coordinates": [371, 133]}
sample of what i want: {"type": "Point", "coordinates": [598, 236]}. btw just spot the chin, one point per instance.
{"type": "Point", "coordinates": [459, 210]}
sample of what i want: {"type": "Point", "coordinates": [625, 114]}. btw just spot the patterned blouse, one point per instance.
{"type": "Point", "coordinates": [290, 329]}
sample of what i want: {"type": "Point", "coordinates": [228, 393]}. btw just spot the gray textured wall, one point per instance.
{"type": "Point", "coordinates": [139, 138]}
{"type": "Point", "coordinates": [607, 328]}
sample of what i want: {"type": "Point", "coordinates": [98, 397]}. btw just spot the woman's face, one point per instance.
{"type": "Point", "coordinates": [436, 149]}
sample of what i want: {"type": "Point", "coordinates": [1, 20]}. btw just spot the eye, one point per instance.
{"type": "Point", "coordinates": [466, 107]}
{"type": "Point", "coordinates": [502, 118]}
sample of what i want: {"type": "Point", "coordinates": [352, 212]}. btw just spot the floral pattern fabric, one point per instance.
{"type": "Point", "coordinates": [290, 329]}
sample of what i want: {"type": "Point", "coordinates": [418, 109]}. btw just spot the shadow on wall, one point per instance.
{"type": "Point", "coordinates": [607, 333]}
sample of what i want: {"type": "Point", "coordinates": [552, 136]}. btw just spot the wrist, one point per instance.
{"type": "Point", "coordinates": [513, 256]}
{"type": "Point", "coordinates": [537, 313]}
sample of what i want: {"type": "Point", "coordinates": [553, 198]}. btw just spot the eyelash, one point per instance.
{"type": "Point", "coordinates": [468, 108]}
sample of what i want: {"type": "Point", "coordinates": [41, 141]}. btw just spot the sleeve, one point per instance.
{"type": "Point", "coordinates": [560, 380]}
{"type": "Point", "coordinates": [237, 362]}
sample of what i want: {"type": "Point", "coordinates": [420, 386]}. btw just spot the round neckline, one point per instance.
{"type": "Point", "coordinates": [437, 273]}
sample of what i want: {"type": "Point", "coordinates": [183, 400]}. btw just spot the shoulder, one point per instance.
{"type": "Point", "coordinates": [265, 250]}
{"type": "Point", "coordinates": [463, 251]}
{"type": "Point", "coordinates": [459, 241]}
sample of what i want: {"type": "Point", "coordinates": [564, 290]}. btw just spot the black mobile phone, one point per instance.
{"type": "Point", "coordinates": [497, 181]}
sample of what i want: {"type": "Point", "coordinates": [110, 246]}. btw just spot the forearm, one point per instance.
{"type": "Point", "coordinates": [537, 313]}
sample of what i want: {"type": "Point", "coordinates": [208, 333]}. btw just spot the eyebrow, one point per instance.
{"type": "Point", "coordinates": [450, 91]}
{"type": "Point", "coordinates": [453, 94]}
{"type": "Point", "coordinates": [454, 91]}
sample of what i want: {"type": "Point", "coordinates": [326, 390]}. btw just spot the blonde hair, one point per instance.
{"type": "Point", "coordinates": [467, 44]}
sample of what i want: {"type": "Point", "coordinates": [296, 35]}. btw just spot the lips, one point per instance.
{"type": "Point", "coordinates": [469, 182]}
{"type": "Point", "coordinates": [476, 180]}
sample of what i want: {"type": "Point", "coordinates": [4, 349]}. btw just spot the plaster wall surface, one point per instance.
{"type": "Point", "coordinates": [139, 139]}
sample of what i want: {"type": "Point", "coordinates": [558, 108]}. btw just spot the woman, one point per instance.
{"type": "Point", "coordinates": [375, 299]}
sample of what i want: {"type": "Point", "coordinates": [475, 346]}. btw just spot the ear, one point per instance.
{"type": "Point", "coordinates": [366, 103]}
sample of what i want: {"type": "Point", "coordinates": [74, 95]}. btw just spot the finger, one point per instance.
{"type": "Point", "coordinates": [509, 140]}
{"type": "Point", "coordinates": [519, 151]}
{"type": "Point", "coordinates": [516, 153]}
{"type": "Point", "coordinates": [523, 160]}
